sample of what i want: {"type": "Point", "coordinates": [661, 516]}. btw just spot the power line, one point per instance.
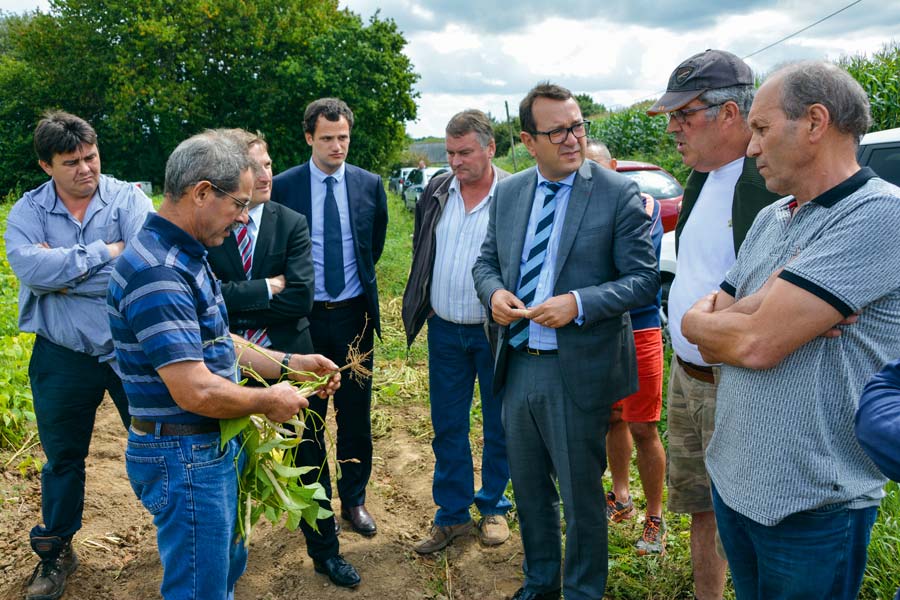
{"type": "Point", "coordinates": [773, 44]}
{"type": "Point", "coordinates": [825, 18]}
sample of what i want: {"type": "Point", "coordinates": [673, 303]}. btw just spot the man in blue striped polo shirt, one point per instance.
{"type": "Point", "coordinates": [794, 494]}
{"type": "Point", "coordinates": [178, 365]}
{"type": "Point", "coordinates": [451, 220]}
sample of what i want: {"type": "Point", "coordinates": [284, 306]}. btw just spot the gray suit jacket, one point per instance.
{"type": "Point", "coordinates": [605, 253]}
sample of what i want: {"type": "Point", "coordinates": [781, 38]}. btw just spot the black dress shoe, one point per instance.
{"type": "Point", "coordinates": [521, 594]}
{"type": "Point", "coordinates": [360, 519]}
{"type": "Point", "coordinates": [339, 571]}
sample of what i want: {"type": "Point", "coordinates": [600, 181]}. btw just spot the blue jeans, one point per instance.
{"type": "Point", "coordinates": [813, 554]}
{"type": "Point", "coordinates": [67, 387]}
{"type": "Point", "coordinates": [456, 354]}
{"type": "Point", "coordinates": [190, 488]}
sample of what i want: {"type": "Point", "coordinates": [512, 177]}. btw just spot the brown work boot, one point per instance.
{"type": "Point", "coordinates": [441, 535]}
{"type": "Point", "coordinates": [493, 530]}
{"type": "Point", "coordinates": [48, 581]}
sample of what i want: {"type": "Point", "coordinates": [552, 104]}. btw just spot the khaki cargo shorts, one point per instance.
{"type": "Point", "coordinates": [691, 421]}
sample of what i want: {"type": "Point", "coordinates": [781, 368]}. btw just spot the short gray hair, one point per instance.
{"type": "Point", "coordinates": [742, 95]}
{"type": "Point", "coordinates": [819, 82]}
{"type": "Point", "coordinates": [214, 156]}
{"type": "Point", "coordinates": [601, 148]}
{"type": "Point", "coordinates": [467, 121]}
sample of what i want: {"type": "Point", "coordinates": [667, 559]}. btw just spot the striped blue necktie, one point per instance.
{"type": "Point", "coordinates": [531, 272]}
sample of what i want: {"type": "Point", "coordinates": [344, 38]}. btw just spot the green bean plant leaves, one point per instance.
{"type": "Point", "coordinates": [269, 483]}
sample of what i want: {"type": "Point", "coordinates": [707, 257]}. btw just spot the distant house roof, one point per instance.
{"type": "Point", "coordinates": [435, 152]}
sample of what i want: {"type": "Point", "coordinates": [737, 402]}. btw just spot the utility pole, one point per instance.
{"type": "Point", "coordinates": [512, 137]}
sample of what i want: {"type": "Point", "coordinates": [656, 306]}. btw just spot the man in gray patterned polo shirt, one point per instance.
{"type": "Point", "coordinates": [795, 496]}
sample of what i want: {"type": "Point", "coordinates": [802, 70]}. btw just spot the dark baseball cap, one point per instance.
{"type": "Point", "coordinates": [708, 70]}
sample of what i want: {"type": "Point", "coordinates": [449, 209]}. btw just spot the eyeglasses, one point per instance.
{"type": "Point", "coordinates": [561, 134]}
{"type": "Point", "coordinates": [682, 115]}
{"type": "Point", "coordinates": [244, 205]}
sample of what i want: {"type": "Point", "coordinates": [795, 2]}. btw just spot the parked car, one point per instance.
{"type": "Point", "coordinates": [660, 184]}
{"type": "Point", "coordinates": [144, 186]}
{"type": "Point", "coordinates": [397, 181]}
{"type": "Point", "coordinates": [416, 182]}
{"type": "Point", "coordinates": [880, 150]}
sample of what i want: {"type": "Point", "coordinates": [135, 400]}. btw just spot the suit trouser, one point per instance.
{"type": "Point", "coordinates": [549, 438]}
{"type": "Point", "coordinates": [333, 330]}
{"type": "Point", "coordinates": [323, 543]}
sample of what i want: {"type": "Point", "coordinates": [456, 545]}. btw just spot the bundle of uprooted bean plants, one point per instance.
{"type": "Point", "coordinates": [269, 484]}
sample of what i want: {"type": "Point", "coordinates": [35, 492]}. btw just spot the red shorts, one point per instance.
{"type": "Point", "coordinates": [645, 405]}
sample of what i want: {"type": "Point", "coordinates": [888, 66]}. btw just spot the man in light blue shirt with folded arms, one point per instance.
{"type": "Point", "coordinates": [62, 240]}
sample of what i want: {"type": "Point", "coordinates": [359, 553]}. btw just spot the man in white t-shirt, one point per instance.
{"type": "Point", "coordinates": [707, 99]}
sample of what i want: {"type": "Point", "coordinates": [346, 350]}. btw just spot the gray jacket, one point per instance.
{"type": "Point", "coordinates": [605, 253]}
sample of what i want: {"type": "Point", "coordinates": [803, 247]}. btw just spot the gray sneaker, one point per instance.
{"type": "Point", "coordinates": [653, 538]}
{"type": "Point", "coordinates": [616, 511]}
{"type": "Point", "coordinates": [441, 535]}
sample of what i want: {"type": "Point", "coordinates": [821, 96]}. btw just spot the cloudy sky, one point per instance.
{"type": "Point", "coordinates": [477, 53]}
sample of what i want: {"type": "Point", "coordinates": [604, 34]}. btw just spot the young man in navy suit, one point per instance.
{"type": "Point", "coordinates": [346, 209]}
{"type": "Point", "coordinates": [267, 283]}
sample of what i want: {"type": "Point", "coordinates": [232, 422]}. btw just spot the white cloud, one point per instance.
{"type": "Point", "coordinates": [619, 63]}
{"type": "Point", "coordinates": [472, 53]}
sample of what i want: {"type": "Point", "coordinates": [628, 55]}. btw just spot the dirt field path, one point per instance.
{"type": "Point", "coordinates": [117, 545]}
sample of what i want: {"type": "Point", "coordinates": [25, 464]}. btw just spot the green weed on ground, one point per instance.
{"type": "Point", "coordinates": [17, 423]}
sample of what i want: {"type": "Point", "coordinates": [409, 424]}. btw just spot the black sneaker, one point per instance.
{"type": "Point", "coordinates": [48, 581]}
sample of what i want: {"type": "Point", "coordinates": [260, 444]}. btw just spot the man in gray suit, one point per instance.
{"type": "Point", "coordinates": [566, 255]}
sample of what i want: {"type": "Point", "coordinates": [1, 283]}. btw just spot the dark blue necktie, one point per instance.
{"type": "Point", "coordinates": [334, 243]}
{"type": "Point", "coordinates": [531, 272]}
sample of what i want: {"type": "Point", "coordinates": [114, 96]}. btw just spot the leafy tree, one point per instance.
{"type": "Point", "coordinates": [149, 74]}
{"type": "Point", "coordinates": [588, 107]}
{"type": "Point", "coordinates": [633, 135]}
{"type": "Point", "coordinates": [879, 75]}
{"type": "Point", "coordinates": [502, 137]}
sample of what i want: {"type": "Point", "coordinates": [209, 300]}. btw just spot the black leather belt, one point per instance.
{"type": "Point", "coordinates": [699, 372]}
{"type": "Point", "coordinates": [173, 429]}
{"type": "Point", "coordinates": [536, 351]}
{"type": "Point", "coordinates": [328, 305]}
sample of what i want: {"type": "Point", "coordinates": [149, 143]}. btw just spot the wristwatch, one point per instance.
{"type": "Point", "coordinates": [286, 363]}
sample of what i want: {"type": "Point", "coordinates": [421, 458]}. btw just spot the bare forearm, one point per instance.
{"type": "Point", "coordinates": [196, 389]}
{"type": "Point", "coordinates": [300, 367]}
{"type": "Point", "coordinates": [220, 398]}
{"type": "Point", "coordinates": [722, 337]}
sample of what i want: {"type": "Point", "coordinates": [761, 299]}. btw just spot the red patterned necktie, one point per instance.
{"type": "Point", "coordinates": [245, 247]}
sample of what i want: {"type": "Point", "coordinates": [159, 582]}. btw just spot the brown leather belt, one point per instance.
{"type": "Point", "coordinates": [699, 372]}
{"type": "Point", "coordinates": [174, 429]}
{"type": "Point", "coordinates": [329, 305]}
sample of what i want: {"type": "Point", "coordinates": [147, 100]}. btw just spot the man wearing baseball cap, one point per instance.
{"type": "Point", "coordinates": [707, 101]}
